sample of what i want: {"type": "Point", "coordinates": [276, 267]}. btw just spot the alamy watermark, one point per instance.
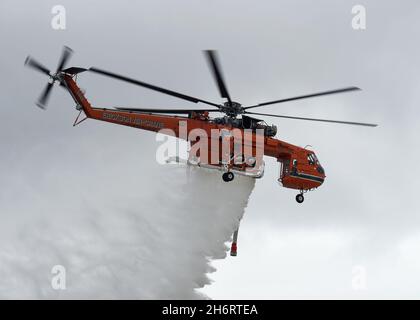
{"type": "Point", "coordinates": [358, 21]}
{"type": "Point", "coordinates": [239, 147]}
{"type": "Point", "coordinates": [58, 280]}
{"type": "Point", "coordinates": [58, 21]}
{"type": "Point", "coordinates": [359, 278]}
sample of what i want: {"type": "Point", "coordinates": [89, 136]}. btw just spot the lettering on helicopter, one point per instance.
{"type": "Point", "coordinates": [129, 120]}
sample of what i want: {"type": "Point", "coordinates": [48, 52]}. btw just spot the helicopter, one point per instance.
{"type": "Point", "coordinates": [300, 168]}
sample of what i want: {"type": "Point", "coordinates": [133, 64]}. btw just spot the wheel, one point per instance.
{"type": "Point", "coordinates": [227, 176]}
{"type": "Point", "coordinates": [230, 176]}
{"type": "Point", "coordinates": [300, 198]}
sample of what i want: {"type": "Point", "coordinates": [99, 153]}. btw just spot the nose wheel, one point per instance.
{"type": "Point", "coordinates": [228, 176]}
{"type": "Point", "coordinates": [300, 198]}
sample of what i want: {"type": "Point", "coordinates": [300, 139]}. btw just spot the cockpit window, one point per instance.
{"type": "Point", "coordinates": [312, 159]}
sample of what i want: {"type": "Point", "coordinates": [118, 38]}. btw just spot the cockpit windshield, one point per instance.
{"type": "Point", "coordinates": [312, 159]}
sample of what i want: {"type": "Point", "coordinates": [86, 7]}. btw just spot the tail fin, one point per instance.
{"type": "Point", "coordinates": [78, 95]}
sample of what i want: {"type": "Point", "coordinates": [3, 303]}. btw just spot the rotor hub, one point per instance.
{"type": "Point", "coordinates": [232, 108]}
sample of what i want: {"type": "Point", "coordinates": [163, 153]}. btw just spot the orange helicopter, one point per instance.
{"type": "Point", "coordinates": [300, 168]}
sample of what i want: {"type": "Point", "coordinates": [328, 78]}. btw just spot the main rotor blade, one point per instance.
{"type": "Point", "coordinates": [314, 119]}
{"type": "Point", "coordinates": [152, 87]}
{"type": "Point", "coordinates": [305, 96]}
{"type": "Point", "coordinates": [32, 63]}
{"type": "Point", "coordinates": [74, 70]}
{"type": "Point", "coordinates": [185, 111]}
{"type": "Point", "coordinates": [43, 98]}
{"type": "Point", "coordinates": [214, 64]}
{"type": "Point", "coordinates": [65, 56]}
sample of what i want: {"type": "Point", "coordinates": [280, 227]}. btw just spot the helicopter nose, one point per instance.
{"type": "Point", "coordinates": [320, 169]}
{"type": "Point", "coordinates": [320, 176]}
{"type": "Point", "coordinates": [322, 172]}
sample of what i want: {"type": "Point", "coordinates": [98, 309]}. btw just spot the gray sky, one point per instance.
{"type": "Point", "coordinates": [365, 214]}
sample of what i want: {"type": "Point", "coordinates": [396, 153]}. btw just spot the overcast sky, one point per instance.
{"type": "Point", "coordinates": [364, 217]}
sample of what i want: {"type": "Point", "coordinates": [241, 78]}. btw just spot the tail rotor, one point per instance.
{"type": "Point", "coordinates": [34, 64]}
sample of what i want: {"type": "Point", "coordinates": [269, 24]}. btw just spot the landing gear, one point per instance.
{"type": "Point", "coordinates": [300, 198]}
{"type": "Point", "coordinates": [228, 176]}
